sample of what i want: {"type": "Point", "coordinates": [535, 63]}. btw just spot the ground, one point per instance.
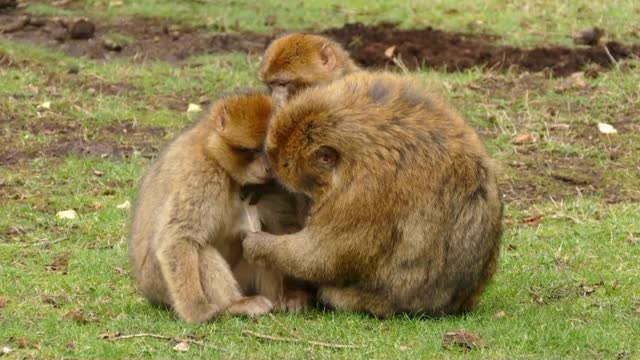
{"type": "Point", "coordinates": [81, 118]}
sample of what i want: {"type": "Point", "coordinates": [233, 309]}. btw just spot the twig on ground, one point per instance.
{"type": "Point", "coordinates": [397, 60]}
{"type": "Point", "coordinates": [284, 327]}
{"type": "Point", "coordinates": [118, 336]}
{"type": "Point", "coordinates": [296, 340]}
{"type": "Point", "coordinates": [611, 58]}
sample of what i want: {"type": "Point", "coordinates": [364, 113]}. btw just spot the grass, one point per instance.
{"type": "Point", "coordinates": [569, 274]}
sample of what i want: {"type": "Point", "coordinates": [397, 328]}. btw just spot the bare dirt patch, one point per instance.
{"type": "Point", "coordinates": [116, 141]}
{"type": "Point", "coordinates": [142, 39]}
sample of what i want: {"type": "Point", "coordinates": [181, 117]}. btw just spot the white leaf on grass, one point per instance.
{"type": "Point", "coordinates": [45, 105]}
{"type": "Point", "coordinates": [6, 350]}
{"type": "Point", "coordinates": [607, 129]}
{"type": "Point", "coordinates": [390, 51]}
{"type": "Point", "coordinates": [182, 346]}
{"type": "Point", "coordinates": [124, 205]}
{"type": "Point", "coordinates": [194, 108]}
{"type": "Point", "coordinates": [67, 214]}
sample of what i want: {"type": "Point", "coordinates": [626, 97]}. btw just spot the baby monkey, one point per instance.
{"type": "Point", "coordinates": [296, 61]}
{"type": "Point", "coordinates": [185, 241]}
{"type": "Point", "coordinates": [406, 215]}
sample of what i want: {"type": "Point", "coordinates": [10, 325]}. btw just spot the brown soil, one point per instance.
{"type": "Point", "coordinates": [428, 47]}
{"type": "Point", "coordinates": [115, 142]}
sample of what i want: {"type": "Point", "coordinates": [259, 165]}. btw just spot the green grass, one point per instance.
{"type": "Point", "coordinates": [568, 280]}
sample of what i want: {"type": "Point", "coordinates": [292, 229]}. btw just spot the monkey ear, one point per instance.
{"type": "Point", "coordinates": [327, 157]}
{"type": "Point", "coordinates": [328, 56]}
{"type": "Point", "coordinates": [221, 120]}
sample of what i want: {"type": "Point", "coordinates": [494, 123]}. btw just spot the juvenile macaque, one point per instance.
{"type": "Point", "coordinates": [185, 243]}
{"type": "Point", "coordinates": [406, 215]}
{"type": "Point", "coordinates": [296, 61]}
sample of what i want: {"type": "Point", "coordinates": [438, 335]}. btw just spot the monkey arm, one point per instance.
{"type": "Point", "coordinates": [297, 255]}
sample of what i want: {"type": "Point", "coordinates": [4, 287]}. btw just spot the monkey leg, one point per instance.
{"type": "Point", "coordinates": [350, 299]}
{"type": "Point", "coordinates": [284, 295]}
{"type": "Point", "coordinates": [298, 255]}
{"type": "Point", "coordinates": [222, 288]}
{"type": "Point", "coordinates": [181, 268]}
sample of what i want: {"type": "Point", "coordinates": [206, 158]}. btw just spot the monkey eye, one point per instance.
{"type": "Point", "coordinates": [327, 157]}
{"type": "Point", "coordinates": [248, 152]}
{"type": "Point", "coordinates": [278, 83]}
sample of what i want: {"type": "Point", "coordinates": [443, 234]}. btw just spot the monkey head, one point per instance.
{"type": "Point", "coordinates": [240, 123]}
{"type": "Point", "coordinates": [296, 61]}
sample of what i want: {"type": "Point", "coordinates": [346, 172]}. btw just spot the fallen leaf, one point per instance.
{"type": "Point", "coordinates": [116, 3]}
{"type": "Point", "coordinates": [61, 263]}
{"type": "Point", "coordinates": [182, 346]}
{"type": "Point", "coordinates": [45, 105]}
{"type": "Point", "coordinates": [559, 126]}
{"type": "Point", "coordinates": [533, 220]}
{"type": "Point", "coordinates": [500, 314]}
{"type": "Point", "coordinates": [522, 139]}
{"type": "Point", "coordinates": [462, 338]}
{"type": "Point", "coordinates": [67, 214]}
{"type": "Point", "coordinates": [79, 316]}
{"type": "Point", "coordinates": [194, 108]}
{"type": "Point", "coordinates": [3, 302]}
{"type": "Point", "coordinates": [403, 348]}
{"type": "Point", "coordinates": [98, 173]}
{"type": "Point", "coordinates": [587, 290]}
{"type": "Point", "coordinates": [390, 51]}
{"type": "Point", "coordinates": [576, 80]}
{"type": "Point", "coordinates": [22, 342]}
{"type": "Point", "coordinates": [54, 301]}
{"type": "Point", "coordinates": [590, 36]}
{"type": "Point", "coordinates": [606, 128]}
{"type": "Point", "coordinates": [124, 205]}
{"type": "Point", "coordinates": [6, 350]}
{"type": "Point", "coordinates": [97, 205]}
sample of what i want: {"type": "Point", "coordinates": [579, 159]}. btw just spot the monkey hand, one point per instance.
{"type": "Point", "coordinates": [255, 247]}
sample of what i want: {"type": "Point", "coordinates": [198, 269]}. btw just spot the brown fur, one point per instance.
{"type": "Point", "coordinates": [406, 214]}
{"type": "Point", "coordinates": [185, 243]}
{"type": "Point", "coordinates": [296, 61]}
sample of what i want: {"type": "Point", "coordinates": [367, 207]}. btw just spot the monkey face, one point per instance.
{"type": "Point", "coordinates": [258, 171]}
{"type": "Point", "coordinates": [310, 172]}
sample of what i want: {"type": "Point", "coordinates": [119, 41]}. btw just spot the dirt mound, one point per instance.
{"type": "Point", "coordinates": [458, 51]}
{"type": "Point", "coordinates": [144, 39]}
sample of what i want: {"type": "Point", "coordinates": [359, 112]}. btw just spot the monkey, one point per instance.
{"type": "Point", "coordinates": [189, 220]}
{"type": "Point", "coordinates": [296, 61]}
{"type": "Point", "coordinates": [406, 213]}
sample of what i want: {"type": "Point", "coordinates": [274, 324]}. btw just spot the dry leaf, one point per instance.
{"type": "Point", "coordinates": [606, 128]}
{"type": "Point", "coordinates": [6, 350]}
{"type": "Point", "coordinates": [390, 51]}
{"type": "Point", "coordinates": [3, 302]}
{"type": "Point", "coordinates": [587, 290]}
{"type": "Point", "coordinates": [79, 316]}
{"type": "Point", "coordinates": [182, 346]}
{"type": "Point", "coordinates": [97, 205]}
{"type": "Point", "coordinates": [116, 3]}
{"type": "Point", "coordinates": [52, 300]}
{"type": "Point", "coordinates": [67, 214]}
{"type": "Point", "coordinates": [45, 105]}
{"type": "Point", "coordinates": [559, 126]}
{"type": "Point", "coordinates": [124, 205]}
{"type": "Point", "coordinates": [500, 314]}
{"type": "Point", "coordinates": [22, 343]}
{"type": "Point", "coordinates": [576, 80]}
{"type": "Point", "coordinates": [590, 36]}
{"type": "Point", "coordinates": [98, 173]}
{"type": "Point", "coordinates": [533, 220]}
{"type": "Point", "coordinates": [60, 263]}
{"type": "Point", "coordinates": [194, 108]}
{"type": "Point", "coordinates": [463, 339]}
{"type": "Point", "coordinates": [524, 139]}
